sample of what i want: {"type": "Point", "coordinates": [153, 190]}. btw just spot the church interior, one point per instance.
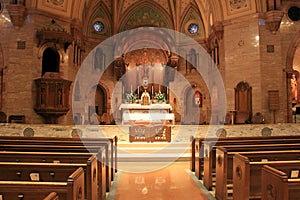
{"type": "Point", "coordinates": [158, 75]}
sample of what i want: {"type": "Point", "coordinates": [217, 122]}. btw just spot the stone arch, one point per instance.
{"type": "Point", "coordinates": [142, 37]}
{"type": "Point", "coordinates": [50, 45]}
{"type": "Point", "coordinates": [191, 114]}
{"type": "Point", "coordinates": [50, 60]}
{"type": "Point", "coordinates": [104, 116]}
{"type": "Point", "coordinates": [145, 10]}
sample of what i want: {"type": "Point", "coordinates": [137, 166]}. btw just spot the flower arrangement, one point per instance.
{"type": "Point", "coordinates": [131, 97]}
{"type": "Point", "coordinates": [160, 97]}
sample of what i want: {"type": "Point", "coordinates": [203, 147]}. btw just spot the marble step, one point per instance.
{"type": "Point", "coordinates": [154, 152]}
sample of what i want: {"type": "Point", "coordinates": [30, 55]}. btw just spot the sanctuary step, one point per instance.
{"type": "Point", "coordinates": [154, 152]}
{"type": "Point", "coordinates": [146, 157]}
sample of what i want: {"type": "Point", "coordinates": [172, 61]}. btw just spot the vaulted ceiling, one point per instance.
{"type": "Point", "coordinates": [123, 14]}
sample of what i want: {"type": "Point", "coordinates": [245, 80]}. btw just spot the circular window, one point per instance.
{"type": "Point", "coordinates": [294, 13]}
{"type": "Point", "coordinates": [98, 26]}
{"type": "Point", "coordinates": [193, 28]}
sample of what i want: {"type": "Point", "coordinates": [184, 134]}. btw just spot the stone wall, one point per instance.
{"type": "Point", "coordinates": [180, 133]}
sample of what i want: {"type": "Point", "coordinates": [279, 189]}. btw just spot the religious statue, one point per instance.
{"type": "Point", "coordinates": [294, 87]}
{"type": "Point", "coordinates": [145, 98]}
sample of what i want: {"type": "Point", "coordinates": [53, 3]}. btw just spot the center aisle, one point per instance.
{"type": "Point", "coordinates": [174, 182]}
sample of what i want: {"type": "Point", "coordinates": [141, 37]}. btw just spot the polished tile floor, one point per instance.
{"type": "Point", "coordinates": [174, 182]}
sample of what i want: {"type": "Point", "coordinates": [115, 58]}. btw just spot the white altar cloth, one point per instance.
{"type": "Point", "coordinates": [152, 113]}
{"type": "Point", "coordinates": [136, 106]}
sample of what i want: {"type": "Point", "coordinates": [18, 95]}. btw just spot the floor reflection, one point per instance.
{"type": "Point", "coordinates": [170, 183]}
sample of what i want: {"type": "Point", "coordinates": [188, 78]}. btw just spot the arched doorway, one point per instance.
{"type": "Point", "coordinates": [50, 61]}
{"type": "Point", "coordinates": [100, 101]}
{"type": "Point", "coordinates": [243, 102]}
{"type": "Point", "coordinates": [98, 112]}
{"type": "Point", "coordinates": [193, 101]}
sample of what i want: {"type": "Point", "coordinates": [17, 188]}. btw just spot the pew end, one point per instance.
{"type": "Point", "coordinates": [276, 184]}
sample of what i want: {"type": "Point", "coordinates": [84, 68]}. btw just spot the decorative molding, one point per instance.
{"type": "Point", "coordinates": [271, 192]}
{"type": "Point", "coordinates": [273, 20]}
{"type": "Point", "coordinates": [17, 13]}
{"type": "Point", "coordinates": [56, 2]}
{"type": "Point", "coordinates": [56, 34]}
{"type": "Point", "coordinates": [236, 5]}
{"type": "Point", "coordinates": [238, 8]}
{"type": "Point", "coordinates": [77, 33]}
{"type": "Point", "coordinates": [238, 171]}
{"type": "Point", "coordinates": [58, 7]}
{"type": "Point", "coordinates": [28, 132]}
{"type": "Point", "coordinates": [218, 30]}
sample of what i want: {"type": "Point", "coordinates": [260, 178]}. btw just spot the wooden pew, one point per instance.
{"type": "Point", "coordinates": [70, 189]}
{"type": "Point", "coordinates": [197, 154]}
{"type": "Point", "coordinates": [110, 145]}
{"type": "Point", "coordinates": [49, 146]}
{"type": "Point", "coordinates": [52, 196]}
{"type": "Point", "coordinates": [277, 184]}
{"type": "Point", "coordinates": [224, 166]}
{"type": "Point", "coordinates": [210, 153]}
{"type": "Point", "coordinates": [247, 175]}
{"type": "Point", "coordinates": [60, 157]}
{"type": "Point", "coordinates": [52, 172]}
{"type": "Point", "coordinates": [98, 151]}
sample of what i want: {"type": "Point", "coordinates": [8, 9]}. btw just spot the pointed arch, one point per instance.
{"type": "Point", "coordinates": [99, 11]}
{"type": "Point", "coordinates": [192, 14]}
{"type": "Point", "coordinates": [145, 13]}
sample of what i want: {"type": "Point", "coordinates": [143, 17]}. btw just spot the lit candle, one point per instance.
{"type": "Point", "coordinates": [159, 88]}
{"type": "Point", "coordinates": [131, 88]}
{"type": "Point", "coordinates": [138, 90]}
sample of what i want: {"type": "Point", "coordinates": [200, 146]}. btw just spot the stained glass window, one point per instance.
{"type": "Point", "coordinates": [98, 26]}
{"type": "Point", "coordinates": [193, 28]}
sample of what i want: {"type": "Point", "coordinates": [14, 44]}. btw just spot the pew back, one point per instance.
{"type": "Point", "coordinates": [247, 175]}
{"type": "Point", "coordinates": [72, 188]}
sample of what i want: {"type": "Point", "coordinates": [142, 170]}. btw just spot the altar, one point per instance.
{"type": "Point", "coordinates": [146, 114]}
